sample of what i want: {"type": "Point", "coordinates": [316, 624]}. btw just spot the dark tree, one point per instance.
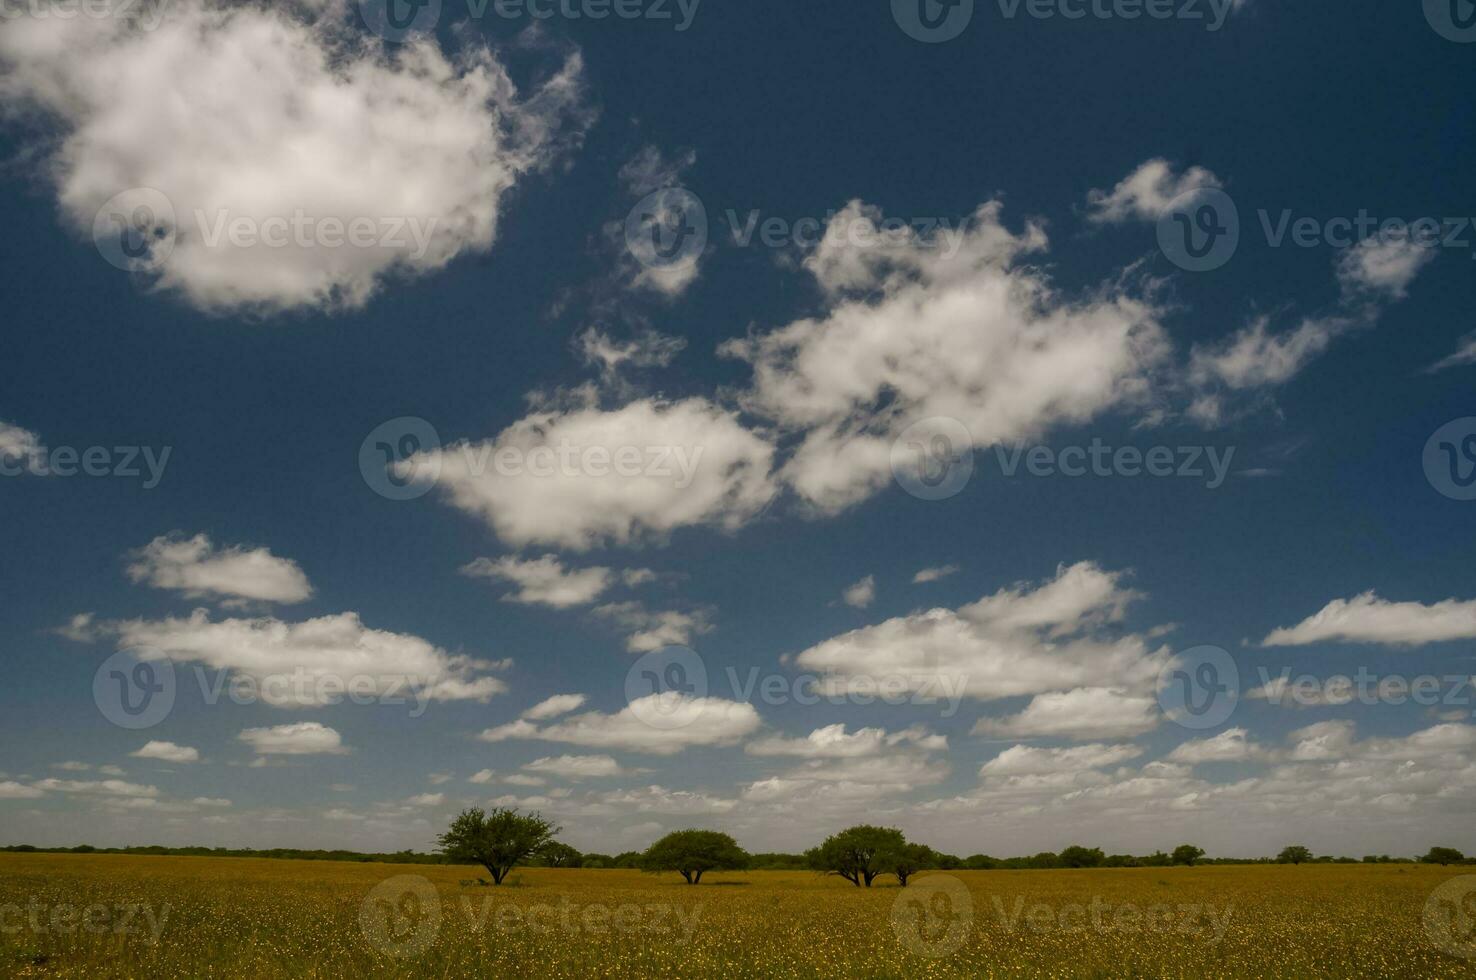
{"type": "Point", "coordinates": [1295, 854]}
{"type": "Point", "coordinates": [559, 855]}
{"type": "Point", "coordinates": [1443, 856]}
{"type": "Point", "coordinates": [692, 852]}
{"type": "Point", "coordinates": [907, 860]}
{"type": "Point", "coordinates": [1187, 854]}
{"type": "Point", "coordinates": [1077, 856]}
{"type": "Point", "coordinates": [855, 854]}
{"type": "Point", "coordinates": [497, 841]}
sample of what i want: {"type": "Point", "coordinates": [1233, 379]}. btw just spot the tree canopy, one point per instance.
{"type": "Point", "coordinates": [857, 854]}
{"type": "Point", "coordinates": [1295, 854]}
{"type": "Point", "coordinates": [693, 852]}
{"type": "Point", "coordinates": [497, 841]}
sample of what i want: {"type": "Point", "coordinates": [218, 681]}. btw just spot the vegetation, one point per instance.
{"type": "Point", "coordinates": [693, 853]}
{"type": "Point", "coordinates": [498, 841]}
{"type": "Point", "coordinates": [858, 854]}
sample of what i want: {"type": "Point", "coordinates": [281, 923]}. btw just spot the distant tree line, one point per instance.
{"type": "Point", "coordinates": [503, 838]}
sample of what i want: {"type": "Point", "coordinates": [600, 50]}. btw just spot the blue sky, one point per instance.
{"type": "Point", "coordinates": [1027, 296]}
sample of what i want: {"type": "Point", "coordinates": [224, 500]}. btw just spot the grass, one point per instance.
{"type": "Point", "coordinates": [235, 917]}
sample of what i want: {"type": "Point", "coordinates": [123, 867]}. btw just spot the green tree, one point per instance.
{"type": "Point", "coordinates": [1077, 856]}
{"type": "Point", "coordinates": [856, 853]}
{"type": "Point", "coordinates": [693, 852]}
{"type": "Point", "coordinates": [497, 841]}
{"type": "Point", "coordinates": [1295, 854]}
{"type": "Point", "coordinates": [1187, 854]}
{"type": "Point", "coordinates": [559, 855]}
{"type": "Point", "coordinates": [906, 860]}
{"type": "Point", "coordinates": [1443, 856]}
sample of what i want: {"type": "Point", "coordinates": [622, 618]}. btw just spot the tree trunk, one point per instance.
{"type": "Point", "coordinates": [687, 876]}
{"type": "Point", "coordinates": [497, 873]}
{"type": "Point", "coordinates": [697, 877]}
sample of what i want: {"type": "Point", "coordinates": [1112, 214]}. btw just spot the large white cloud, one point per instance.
{"type": "Point", "coordinates": [1029, 760]}
{"type": "Point", "coordinates": [195, 567]}
{"type": "Point", "coordinates": [249, 111]}
{"type": "Point", "coordinates": [581, 477]}
{"type": "Point", "coordinates": [1020, 640]}
{"type": "Point", "coordinates": [916, 330]}
{"type": "Point", "coordinates": [544, 581]}
{"type": "Point", "coordinates": [1082, 713]}
{"type": "Point", "coordinates": [301, 738]}
{"type": "Point", "coordinates": [1366, 618]}
{"type": "Point", "coordinates": [834, 742]}
{"type": "Point", "coordinates": [318, 661]}
{"type": "Point", "coordinates": [680, 722]}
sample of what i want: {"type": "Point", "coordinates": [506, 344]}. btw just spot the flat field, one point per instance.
{"type": "Point", "coordinates": [122, 916]}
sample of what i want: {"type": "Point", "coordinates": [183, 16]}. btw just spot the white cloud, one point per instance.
{"type": "Point", "coordinates": [519, 779]}
{"type": "Point", "coordinates": [211, 801]}
{"type": "Point", "coordinates": [559, 704]}
{"type": "Point", "coordinates": [1083, 713]}
{"type": "Point", "coordinates": [833, 742]}
{"type": "Point", "coordinates": [300, 738]}
{"type": "Point", "coordinates": [1020, 640]}
{"type": "Point", "coordinates": [195, 567]}
{"type": "Point", "coordinates": [1384, 266]}
{"type": "Point", "coordinates": [576, 766]}
{"type": "Point", "coordinates": [1027, 760]}
{"type": "Point", "coordinates": [685, 721]}
{"type": "Point", "coordinates": [313, 662]}
{"type": "Point", "coordinates": [167, 752]}
{"type": "Point", "coordinates": [11, 790]}
{"type": "Point", "coordinates": [933, 574]}
{"type": "Point", "coordinates": [1465, 353]}
{"type": "Point", "coordinates": [654, 630]}
{"type": "Point", "coordinates": [647, 349]}
{"type": "Point", "coordinates": [921, 328]}
{"type": "Point", "coordinates": [583, 477]}
{"type": "Point", "coordinates": [1367, 618]}
{"type": "Point", "coordinates": [860, 595]}
{"type": "Point", "coordinates": [1146, 193]}
{"type": "Point", "coordinates": [19, 446]}
{"type": "Point", "coordinates": [81, 628]}
{"type": "Point", "coordinates": [101, 787]}
{"type": "Point", "coordinates": [427, 799]}
{"type": "Point", "coordinates": [481, 777]}
{"type": "Point", "coordinates": [271, 117]}
{"type": "Point", "coordinates": [1231, 745]}
{"type": "Point", "coordinates": [544, 581]}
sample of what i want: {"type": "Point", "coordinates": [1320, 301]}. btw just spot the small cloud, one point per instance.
{"type": "Point", "coordinates": [861, 595]}
{"type": "Point", "coordinates": [167, 752]}
{"type": "Point", "coordinates": [933, 574]}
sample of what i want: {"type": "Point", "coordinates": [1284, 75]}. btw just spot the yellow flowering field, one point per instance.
{"type": "Point", "coordinates": [186, 917]}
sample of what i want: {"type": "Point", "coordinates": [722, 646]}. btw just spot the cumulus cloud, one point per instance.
{"type": "Point", "coordinates": [1023, 639]}
{"type": "Point", "coordinates": [81, 628]}
{"type": "Point", "coordinates": [1231, 745]}
{"type": "Point", "coordinates": [280, 117]}
{"type": "Point", "coordinates": [1465, 353]}
{"type": "Point", "coordinates": [167, 752]}
{"type": "Point", "coordinates": [647, 349]}
{"type": "Point", "coordinates": [427, 799]}
{"type": "Point", "coordinates": [583, 477]}
{"type": "Point", "coordinates": [559, 704]}
{"type": "Point", "coordinates": [834, 742]}
{"type": "Point", "coordinates": [1146, 193]}
{"type": "Point", "coordinates": [99, 787]}
{"type": "Point", "coordinates": [1366, 618]}
{"type": "Point", "coordinates": [860, 595]}
{"type": "Point", "coordinates": [915, 330]}
{"type": "Point", "coordinates": [544, 581]}
{"type": "Point", "coordinates": [197, 568]}
{"type": "Point", "coordinates": [654, 630]}
{"type": "Point", "coordinates": [1027, 760]}
{"type": "Point", "coordinates": [1083, 713]}
{"type": "Point", "coordinates": [315, 662]}
{"type": "Point", "coordinates": [933, 574]}
{"type": "Point", "coordinates": [301, 738]}
{"type": "Point", "coordinates": [1383, 266]}
{"type": "Point", "coordinates": [12, 790]}
{"type": "Point", "coordinates": [658, 724]}
{"type": "Point", "coordinates": [19, 446]}
{"type": "Point", "coordinates": [576, 766]}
